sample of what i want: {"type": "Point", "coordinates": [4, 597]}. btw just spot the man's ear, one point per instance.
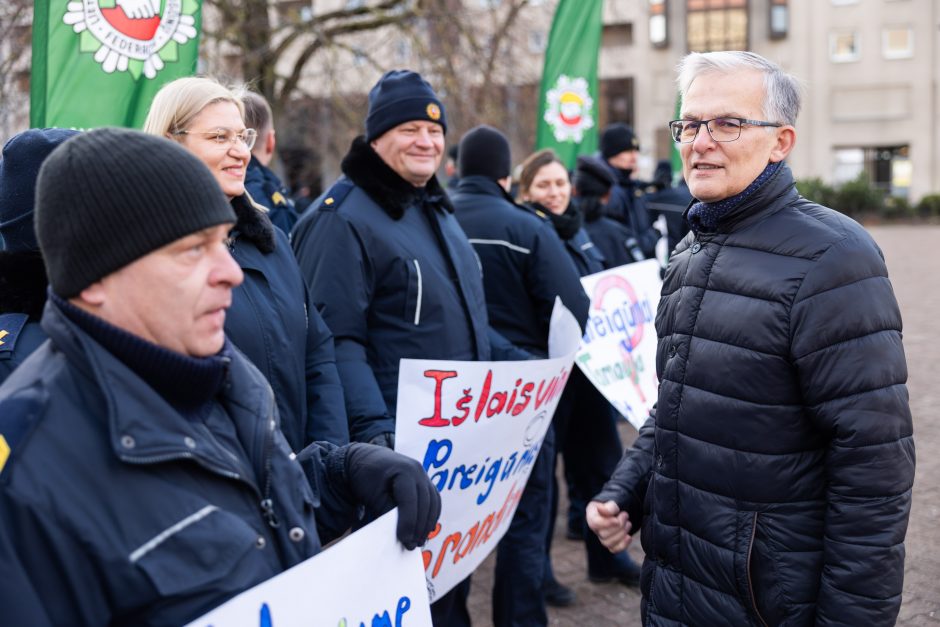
{"type": "Point", "coordinates": [786, 139]}
{"type": "Point", "coordinates": [269, 142]}
{"type": "Point", "coordinates": [92, 296]}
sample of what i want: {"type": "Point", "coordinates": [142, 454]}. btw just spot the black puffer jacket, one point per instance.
{"type": "Point", "coordinates": [777, 470]}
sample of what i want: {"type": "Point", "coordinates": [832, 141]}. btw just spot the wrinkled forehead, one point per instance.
{"type": "Point", "coordinates": [716, 93]}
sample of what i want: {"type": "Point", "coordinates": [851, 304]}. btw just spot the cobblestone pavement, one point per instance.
{"type": "Point", "coordinates": [913, 256]}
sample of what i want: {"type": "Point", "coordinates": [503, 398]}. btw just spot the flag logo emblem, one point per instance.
{"type": "Point", "coordinates": [569, 108]}
{"type": "Point", "coordinates": [133, 36]}
{"type": "Point", "coordinates": [434, 112]}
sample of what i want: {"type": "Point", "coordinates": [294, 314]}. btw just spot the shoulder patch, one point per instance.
{"type": "Point", "coordinates": [11, 325]}
{"type": "Point", "coordinates": [335, 196]}
{"type": "Point", "coordinates": [19, 414]}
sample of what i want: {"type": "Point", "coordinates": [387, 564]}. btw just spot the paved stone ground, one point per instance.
{"type": "Point", "coordinates": [913, 256]}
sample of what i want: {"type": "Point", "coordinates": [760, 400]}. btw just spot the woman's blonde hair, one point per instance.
{"type": "Point", "coordinates": [179, 101]}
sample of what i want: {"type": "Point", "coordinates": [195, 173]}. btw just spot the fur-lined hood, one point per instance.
{"type": "Point", "coordinates": [23, 283]}
{"type": "Point", "coordinates": [253, 223]}
{"type": "Point", "coordinates": [384, 186]}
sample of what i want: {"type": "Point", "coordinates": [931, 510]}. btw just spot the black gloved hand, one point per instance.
{"type": "Point", "coordinates": [381, 479]}
{"type": "Point", "coordinates": [384, 439]}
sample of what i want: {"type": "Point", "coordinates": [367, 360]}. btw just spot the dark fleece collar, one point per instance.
{"type": "Point", "coordinates": [22, 283]}
{"type": "Point", "coordinates": [384, 186]}
{"type": "Point", "coordinates": [253, 224]}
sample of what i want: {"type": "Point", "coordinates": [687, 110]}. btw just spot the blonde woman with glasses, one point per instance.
{"type": "Point", "coordinates": [271, 320]}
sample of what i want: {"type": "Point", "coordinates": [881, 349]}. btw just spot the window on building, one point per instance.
{"type": "Point", "coordinates": [716, 25]}
{"type": "Point", "coordinates": [888, 168]}
{"type": "Point", "coordinates": [659, 25]}
{"type": "Point", "coordinates": [897, 43]}
{"type": "Point", "coordinates": [844, 46]}
{"type": "Point", "coordinates": [616, 101]}
{"type": "Point", "coordinates": [779, 19]}
{"type": "Point", "coordinates": [616, 35]}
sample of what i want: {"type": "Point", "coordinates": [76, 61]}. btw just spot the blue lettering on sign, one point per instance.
{"type": "Point", "coordinates": [378, 620]}
{"type": "Point", "coordinates": [621, 319]}
{"type": "Point", "coordinates": [463, 477]}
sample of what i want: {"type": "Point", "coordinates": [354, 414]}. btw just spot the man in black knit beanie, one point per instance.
{"type": "Point", "coordinates": [143, 479]}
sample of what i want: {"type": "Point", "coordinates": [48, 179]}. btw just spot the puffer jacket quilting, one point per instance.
{"type": "Point", "coordinates": [780, 459]}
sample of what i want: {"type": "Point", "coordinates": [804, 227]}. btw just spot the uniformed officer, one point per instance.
{"type": "Point", "coordinates": [262, 184]}
{"type": "Point", "coordinates": [143, 476]}
{"type": "Point", "coordinates": [22, 274]}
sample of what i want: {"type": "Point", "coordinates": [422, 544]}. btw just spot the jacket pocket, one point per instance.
{"type": "Point", "coordinates": [196, 551]}
{"type": "Point", "coordinates": [764, 589]}
{"type": "Point", "coordinates": [414, 293]}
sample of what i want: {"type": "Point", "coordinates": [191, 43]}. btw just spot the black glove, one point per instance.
{"type": "Point", "coordinates": [384, 439]}
{"type": "Point", "coordinates": [381, 479]}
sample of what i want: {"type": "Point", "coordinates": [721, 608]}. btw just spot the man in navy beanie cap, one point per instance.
{"type": "Point", "coordinates": [391, 270]}
{"type": "Point", "coordinates": [23, 279]}
{"type": "Point", "coordinates": [139, 421]}
{"type": "Point", "coordinates": [619, 150]}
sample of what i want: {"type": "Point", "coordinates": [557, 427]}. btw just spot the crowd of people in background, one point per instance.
{"type": "Point", "coordinates": [186, 298]}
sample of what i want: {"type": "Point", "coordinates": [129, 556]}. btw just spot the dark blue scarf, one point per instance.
{"type": "Point", "coordinates": [703, 217]}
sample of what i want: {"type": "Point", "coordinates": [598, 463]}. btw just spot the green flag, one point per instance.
{"type": "Point", "coordinates": [100, 62]}
{"type": "Point", "coordinates": [674, 155]}
{"type": "Point", "coordinates": [568, 96]}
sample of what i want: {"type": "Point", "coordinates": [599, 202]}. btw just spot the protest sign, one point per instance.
{"type": "Point", "coordinates": [618, 350]}
{"type": "Point", "coordinates": [367, 579]}
{"type": "Point", "coordinates": [477, 428]}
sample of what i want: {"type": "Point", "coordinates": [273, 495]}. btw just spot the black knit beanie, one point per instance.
{"type": "Point", "coordinates": [107, 197]}
{"type": "Point", "coordinates": [592, 177]}
{"type": "Point", "coordinates": [401, 96]}
{"type": "Point", "coordinates": [484, 151]}
{"type": "Point", "coordinates": [617, 138]}
{"type": "Point", "coordinates": [19, 166]}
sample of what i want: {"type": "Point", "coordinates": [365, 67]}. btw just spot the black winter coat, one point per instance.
{"type": "Point", "coordinates": [627, 205]}
{"type": "Point", "coordinates": [524, 264]}
{"type": "Point", "coordinates": [265, 188]}
{"type": "Point", "coordinates": [394, 277]}
{"type": "Point", "coordinates": [23, 285]}
{"type": "Point", "coordinates": [117, 510]}
{"type": "Point", "coordinates": [616, 242]}
{"type": "Point", "coordinates": [273, 321]}
{"type": "Point", "coordinates": [773, 483]}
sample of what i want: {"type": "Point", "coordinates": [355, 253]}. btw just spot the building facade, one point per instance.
{"type": "Point", "coordinates": [869, 70]}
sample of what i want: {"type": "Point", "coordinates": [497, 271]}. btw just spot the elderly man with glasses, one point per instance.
{"type": "Point", "coordinates": [773, 480]}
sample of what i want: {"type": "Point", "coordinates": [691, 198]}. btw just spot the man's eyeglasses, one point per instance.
{"type": "Point", "coordinates": [721, 129]}
{"type": "Point", "coordinates": [222, 136]}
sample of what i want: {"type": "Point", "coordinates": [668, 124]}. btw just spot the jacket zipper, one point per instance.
{"type": "Point", "coordinates": [420, 287]}
{"type": "Point", "coordinates": [267, 503]}
{"type": "Point", "coordinates": [649, 604]}
{"type": "Point", "coordinates": [750, 584]}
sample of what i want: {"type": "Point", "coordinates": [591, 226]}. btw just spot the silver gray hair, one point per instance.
{"type": "Point", "coordinates": [782, 92]}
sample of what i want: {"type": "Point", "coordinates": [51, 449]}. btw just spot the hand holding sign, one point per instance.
{"type": "Point", "coordinates": [382, 479]}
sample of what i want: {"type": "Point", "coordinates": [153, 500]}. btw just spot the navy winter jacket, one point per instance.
{"type": "Point", "coordinates": [273, 321]}
{"type": "Point", "coordinates": [394, 277]}
{"type": "Point", "coordinates": [524, 264]}
{"type": "Point", "coordinates": [115, 509]}
{"type": "Point", "coordinates": [773, 484]}
{"type": "Point", "coordinates": [23, 285]}
{"type": "Point", "coordinates": [616, 242]}
{"type": "Point", "coordinates": [265, 188]}
{"type": "Point", "coordinates": [587, 258]}
{"type": "Point", "coordinates": [627, 205]}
